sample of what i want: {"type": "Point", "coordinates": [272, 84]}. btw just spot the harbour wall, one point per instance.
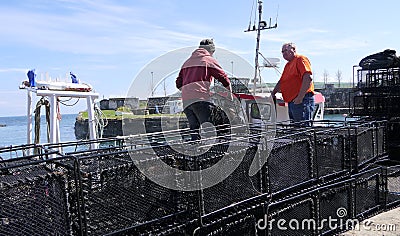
{"type": "Point", "coordinates": [337, 101]}
{"type": "Point", "coordinates": [120, 127]}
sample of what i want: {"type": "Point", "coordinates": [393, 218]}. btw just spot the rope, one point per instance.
{"type": "Point", "coordinates": [69, 105]}
{"type": "Point", "coordinates": [100, 121]}
{"type": "Point", "coordinates": [39, 104]}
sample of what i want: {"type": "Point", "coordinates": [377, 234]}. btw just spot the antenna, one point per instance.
{"type": "Point", "coordinates": [262, 25]}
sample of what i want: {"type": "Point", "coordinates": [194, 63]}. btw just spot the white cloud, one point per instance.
{"type": "Point", "coordinates": [89, 28]}
{"type": "Point", "coordinates": [6, 70]}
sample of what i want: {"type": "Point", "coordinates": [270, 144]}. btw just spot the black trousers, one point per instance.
{"type": "Point", "coordinates": [198, 113]}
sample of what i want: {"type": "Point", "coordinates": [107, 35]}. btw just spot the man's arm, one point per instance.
{"type": "Point", "coordinates": [178, 81]}
{"type": "Point", "coordinates": [305, 85]}
{"type": "Point", "coordinates": [276, 89]}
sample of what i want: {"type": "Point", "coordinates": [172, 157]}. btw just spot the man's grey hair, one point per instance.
{"type": "Point", "coordinates": [292, 45]}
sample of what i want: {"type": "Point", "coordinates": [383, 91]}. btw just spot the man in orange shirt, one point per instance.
{"type": "Point", "coordinates": [296, 85]}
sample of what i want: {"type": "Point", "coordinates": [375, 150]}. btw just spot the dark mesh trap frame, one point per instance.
{"type": "Point", "coordinates": [239, 85]}
{"type": "Point", "coordinates": [380, 138]}
{"type": "Point", "coordinates": [391, 176]}
{"type": "Point", "coordinates": [236, 187]}
{"type": "Point", "coordinates": [330, 199]}
{"type": "Point", "coordinates": [290, 163]}
{"type": "Point", "coordinates": [101, 191]}
{"type": "Point", "coordinates": [368, 193]}
{"type": "Point", "coordinates": [233, 225]}
{"type": "Point", "coordinates": [385, 105]}
{"type": "Point", "coordinates": [26, 154]}
{"type": "Point", "coordinates": [300, 209]}
{"type": "Point", "coordinates": [380, 80]}
{"type": "Point", "coordinates": [330, 155]}
{"type": "Point", "coordinates": [363, 143]}
{"type": "Point", "coordinates": [33, 199]}
{"type": "Point", "coordinates": [343, 147]}
{"type": "Point", "coordinates": [360, 146]}
{"type": "Point", "coordinates": [12, 152]}
{"type": "Point", "coordinates": [114, 194]}
{"type": "Point", "coordinates": [377, 93]}
{"type": "Point", "coordinates": [393, 139]}
{"type": "Point", "coordinates": [370, 141]}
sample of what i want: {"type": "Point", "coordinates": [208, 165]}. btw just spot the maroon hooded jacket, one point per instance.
{"type": "Point", "coordinates": [196, 74]}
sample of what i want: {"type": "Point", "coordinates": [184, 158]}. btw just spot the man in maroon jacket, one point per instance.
{"type": "Point", "coordinates": [194, 81]}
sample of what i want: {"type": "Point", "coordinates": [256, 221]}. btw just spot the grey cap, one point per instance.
{"type": "Point", "coordinates": [208, 44]}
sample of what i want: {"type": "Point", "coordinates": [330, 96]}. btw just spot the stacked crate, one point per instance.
{"type": "Point", "coordinates": [33, 193]}
{"type": "Point", "coordinates": [304, 177]}
{"type": "Point", "coordinates": [376, 95]}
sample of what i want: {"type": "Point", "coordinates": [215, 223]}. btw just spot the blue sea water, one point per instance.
{"type": "Point", "coordinates": [13, 130]}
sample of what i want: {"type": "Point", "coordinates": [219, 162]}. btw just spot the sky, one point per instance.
{"type": "Point", "coordinates": [109, 43]}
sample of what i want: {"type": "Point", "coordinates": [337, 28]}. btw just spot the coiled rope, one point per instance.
{"type": "Point", "coordinates": [42, 102]}
{"type": "Point", "coordinates": [100, 121]}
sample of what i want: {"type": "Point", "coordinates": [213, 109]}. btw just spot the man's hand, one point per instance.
{"type": "Point", "coordinates": [230, 94]}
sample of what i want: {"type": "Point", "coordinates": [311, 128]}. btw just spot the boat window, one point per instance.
{"type": "Point", "coordinates": [260, 111]}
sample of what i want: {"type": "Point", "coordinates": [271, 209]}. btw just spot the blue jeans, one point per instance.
{"type": "Point", "coordinates": [303, 111]}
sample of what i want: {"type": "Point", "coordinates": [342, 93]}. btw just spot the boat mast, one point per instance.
{"type": "Point", "coordinates": [262, 25]}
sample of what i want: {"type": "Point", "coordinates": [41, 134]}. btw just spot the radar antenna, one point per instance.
{"type": "Point", "coordinates": [262, 25]}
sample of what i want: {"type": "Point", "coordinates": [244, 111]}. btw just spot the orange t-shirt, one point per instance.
{"type": "Point", "coordinates": [292, 77]}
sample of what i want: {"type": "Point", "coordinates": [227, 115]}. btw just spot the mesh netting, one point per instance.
{"type": "Point", "coordinates": [367, 193]}
{"type": "Point", "coordinates": [365, 145]}
{"type": "Point", "coordinates": [331, 199]}
{"type": "Point", "coordinates": [239, 85]}
{"type": "Point", "coordinates": [393, 139]}
{"type": "Point", "coordinates": [380, 80]}
{"type": "Point", "coordinates": [103, 191]}
{"type": "Point", "coordinates": [300, 213]}
{"type": "Point", "coordinates": [244, 226]}
{"type": "Point", "coordinates": [377, 105]}
{"type": "Point", "coordinates": [380, 140]}
{"type": "Point", "coordinates": [117, 195]}
{"type": "Point", "coordinates": [290, 163]}
{"type": "Point", "coordinates": [348, 147]}
{"type": "Point", "coordinates": [236, 187]}
{"type": "Point", "coordinates": [393, 186]}
{"type": "Point", "coordinates": [33, 201]}
{"type": "Point", "coordinates": [330, 154]}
